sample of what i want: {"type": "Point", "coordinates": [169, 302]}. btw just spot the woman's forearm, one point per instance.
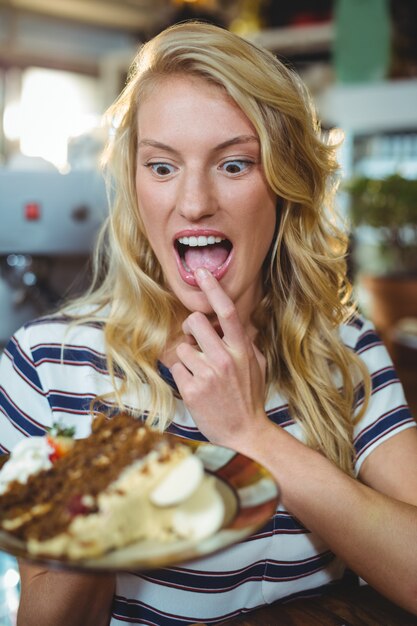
{"type": "Point", "coordinates": [53, 598]}
{"type": "Point", "coordinates": [375, 535]}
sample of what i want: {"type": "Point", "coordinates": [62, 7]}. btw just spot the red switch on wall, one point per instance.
{"type": "Point", "coordinates": [32, 211]}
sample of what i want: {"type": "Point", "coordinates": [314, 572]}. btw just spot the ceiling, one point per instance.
{"type": "Point", "coordinates": [129, 15]}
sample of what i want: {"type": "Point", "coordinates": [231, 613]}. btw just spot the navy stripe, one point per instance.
{"type": "Point", "coordinates": [19, 418]}
{"type": "Point", "coordinates": [206, 582]}
{"type": "Point", "coordinates": [186, 432]}
{"type": "Point", "coordinates": [379, 379]}
{"type": "Point", "coordinates": [356, 322]}
{"type": "Point", "coordinates": [71, 403]}
{"type": "Point", "coordinates": [70, 355]}
{"type": "Point", "coordinates": [23, 365]}
{"type": "Point", "coordinates": [133, 612]}
{"type": "Point", "coordinates": [221, 582]}
{"type": "Point", "coordinates": [78, 403]}
{"type": "Point", "coordinates": [280, 416]}
{"type": "Point", "coordinates": [166, 375]}
{"type": "Point", "coordinates": [282, 571]}
{"type": "Point", "coordinates": [386, 422]}
{"type": "Point", "coordinates": [383, 377]}
{"type": "Point", "coordinates": [370, 339]}
{"type": "Point", "coordinates": [280, 524]}
{"type": "Point", "coordinates": [285, 524]}
{"type": "Point", "coordinates": [266, 531]}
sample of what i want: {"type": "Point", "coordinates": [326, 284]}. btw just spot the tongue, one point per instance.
{"type": "Point", "coordinates": [210, 257]}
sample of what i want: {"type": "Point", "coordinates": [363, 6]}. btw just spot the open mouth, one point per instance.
{"type": "Point", "coordinates": [211, 252]}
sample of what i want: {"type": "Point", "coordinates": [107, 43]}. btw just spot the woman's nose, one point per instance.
{"type": "Point", "coordinates": [196, 196]}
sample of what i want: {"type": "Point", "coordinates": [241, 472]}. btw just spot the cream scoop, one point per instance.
{"type": "Point", "coordinates": [30, 456]}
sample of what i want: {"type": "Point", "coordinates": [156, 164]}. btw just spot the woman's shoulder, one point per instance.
{"type": "Point", "coordinates": [68, 326]}
{"type": "Point", "coordinates": [359, 334]}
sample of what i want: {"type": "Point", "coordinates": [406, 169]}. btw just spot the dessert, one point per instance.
{"type": "Point", "coordinates": [34, 454]}
{"type": "Point", "coordinates": [123, 483]}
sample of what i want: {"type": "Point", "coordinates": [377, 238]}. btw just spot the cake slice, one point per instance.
{"type": "Point", "coordinates": [123, 483]}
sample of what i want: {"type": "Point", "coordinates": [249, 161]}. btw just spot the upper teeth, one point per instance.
{"type": "Point", "coordinates": [201, 240]}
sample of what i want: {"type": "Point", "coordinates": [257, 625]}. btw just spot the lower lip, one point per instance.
{"type": "Point", "coordinates": [188, 276]}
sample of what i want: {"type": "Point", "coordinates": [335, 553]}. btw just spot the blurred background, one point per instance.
{"type": "Point", "coordinates": [62, 62]}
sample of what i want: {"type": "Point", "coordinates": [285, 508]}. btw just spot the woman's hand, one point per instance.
{"type": "Point", "coordinates": [221, 379]}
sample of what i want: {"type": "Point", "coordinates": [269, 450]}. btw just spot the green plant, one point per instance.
{"type": "Point", "coordinates": [389, 207]}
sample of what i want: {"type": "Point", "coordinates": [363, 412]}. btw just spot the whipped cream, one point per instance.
{"type": "Point", "coordinates": [30, 456]}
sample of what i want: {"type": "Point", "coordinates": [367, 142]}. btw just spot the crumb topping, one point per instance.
{"type": "Point", "coordinates": [49, 501]}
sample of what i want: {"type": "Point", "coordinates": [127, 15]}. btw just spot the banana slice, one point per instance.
{"type": "Point", "coordinates": [201, 515]}
{"type": "Point", "coordinates": [179, 484]}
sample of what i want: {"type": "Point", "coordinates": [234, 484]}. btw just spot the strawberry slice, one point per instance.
{"type": "Point", "coordinates": [60, 446]}
{"type": "Point", "coordinates": [60, 439]}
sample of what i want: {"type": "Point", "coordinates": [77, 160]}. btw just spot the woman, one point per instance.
{"type": "Point", "coordinates": [221, 311]}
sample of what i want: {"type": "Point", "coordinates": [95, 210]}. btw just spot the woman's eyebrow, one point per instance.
{"type": "Point", "coordinates": [225, 144]}
{"type": "Point", "coordinates": [156, 144]}
{"type": "Point", "coordinates": [236, 140]}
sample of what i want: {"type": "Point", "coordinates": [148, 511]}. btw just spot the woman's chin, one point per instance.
{"type": "Point", "coordinates": [197, 302]}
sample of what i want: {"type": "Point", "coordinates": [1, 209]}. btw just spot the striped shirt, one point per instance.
{"type": "Point", "coordinates": [41, 382]}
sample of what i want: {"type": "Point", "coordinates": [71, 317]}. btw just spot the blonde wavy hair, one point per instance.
{"type": "Point", "coordinates": [306, 291]}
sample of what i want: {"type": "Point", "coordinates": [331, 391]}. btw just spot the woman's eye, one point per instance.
{"type": "Point", "coordinates": [161, 169]}
{"type": "Point", "coordinates": [236, 166]}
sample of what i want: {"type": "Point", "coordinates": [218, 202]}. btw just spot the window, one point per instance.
{"type": "Point", "coordinates": [50, 108]}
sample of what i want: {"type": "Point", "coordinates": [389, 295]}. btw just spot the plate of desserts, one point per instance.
{"type": "Point", "coordinates": [128, 498]}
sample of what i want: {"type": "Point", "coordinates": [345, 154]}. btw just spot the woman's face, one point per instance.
{"type": "Point", "coordinates": [202, 193]}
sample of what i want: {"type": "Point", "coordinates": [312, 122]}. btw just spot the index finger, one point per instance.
{"type": "Point", "coordinates": [222, 305]}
